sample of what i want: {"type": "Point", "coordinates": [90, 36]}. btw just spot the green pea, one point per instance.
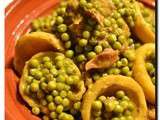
{"type": "Point", "coordinates": [98, 49]}
{"type": "Point", "coordinates": [62, 10]}
{"type": "Point", "coordinates": [70, 95]}
{"type": "Point", "coordinates": [48, 65]}
{"type": "Point", "coordinates": [109, 106]}
{"type": "Point", "coordinates": [122, 118]}
{"type": "Point", "coordinates": [38, 75]}
{"type": "Point", "coordinates": [115, 71]}
{"type": "Point", "coordinates": [65, 37]}
{"type": "Point", "coordinates": [29, 79]}
{"type": "Point", "coordinates": [59, 20]}
{"type": "Point", "coordinates": [86, 34]}
{"type": "Point", "coordinates": [149, 66]}
{"type": "Point", "coordinates": [35, 110]}
{"type": "Point", "coordinates": [125, 98]}
{"type": "Point", "coordinates": [77, 105]}
{"type": "Point", "coordinates": [83, 3]}
{"type": "Point", "coordinates": [115, 118]}
{"type": "Point", "coordinates": [82, 42]}
{"type": "Point", "coordinates": [62, 28]}
{"type": "Point", "coordinates": [91, 55]}
{"type": "Point", "coordinates": [43, 86]}
{"type": "Point", "coordinates": [105, 44]}
{"type": "Point", "coordinates": [32, 72]}
{"type": "Point", "coordinates": [51, 106]}
{"type": "Point", "coordinates": [89, 5]}
{"type": "Point", "coordinates": [120, 22]}
{"type": "Point", "coordinates": [137, 45]}
{"type": "Point", "coordinates": [59, 109]}
{"type": "Point", "coordinates": [60, 86]}
{"type": "Point", "coordinates": [97, 105]}
{"type": "Point", "coordinates": [54, 72]}
{"type": "Point", "coordinates": [93, 42]}
{"type": "Point", "coordinates": [59, 64]}
{"type": "Point", "coordinates": [102, 98]}
{"type": "Point", "coordinates": [116, 1]}
{"type": "Point", "coordinates": [53, 115]}
{"type": "Point", "coordinates": [121, 39]}
{"type": "Point", "coordinates": [65, 102]}
{"type": "Point", "coordinates": [34, 87]}
{"type": "Point", "coordinates": [51, 85]}
{"type": "Point", "coordinates": [129, 74]}
{"type": "Point", "coordinates": [117, 45]}
{"type": "Point", "coordinates": [59, 58]}
{"type": "Point", "coordinates": [69, 53]}
{"type": "Point", "coordinates": [70, 81]}
{"type": "Point", "coordinates": [118, 109]}
{"type": "Point", "coordinates": [45, 71]}
{"type": "Point", "coordinates": [97, 33]}
{"type": "Point", "coordinates": [124, 104]}
{"type": "Point", "coordinates": [130, 41]}
{"type": "Point", "coordinates": [55, 93]}
{"type": "Point", "coordinates": [81, 58]}
{"type": "Point", "coordinates": [129, 118]}
{"type": "Point", "coordinates": [118, 32]}
{"type": "Point", "coordinates": [49, 98]}
{"type": "Point", "coordinates": [63, 94]}
{"type": "Point", "coordinates": [67, 44]}
{"type": "Point", "coordinates": [107, 23]}
{"type": "Point", "coordinates": [124, 61]}
{"type": "Point", "coordinates": [119, 64]}
{"type": "Point", "coordinates": [125, 70]}
{"type": "Point", "coordinates": [116, 15]}
{"type": "Point", "coordinates": [112, 38]}
{"type": "Point", "coordinates": [34, 63]}
{"type": "Point", "coordinates": [46, 59]}
{"type": "Point", "coordinates": [58, 99]}
{"type": "Point", "coordinates": [97, 113]}
{"type": "Point", "coordinates": [131, 106]}
{"type": "Point", "coordinates": [120, 94]}
{"type": "Point", "coordinates": [153, 80]}
{"type": "Point", "coordinates": [67, 87]}
{"type": "Point", "coordinates": [96, 76]}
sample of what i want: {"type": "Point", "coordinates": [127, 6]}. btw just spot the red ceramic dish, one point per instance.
{"type": "Point", "coordinates": [18, 16]}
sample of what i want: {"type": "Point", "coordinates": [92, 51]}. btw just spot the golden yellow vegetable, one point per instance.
{"type": "Point", "coordinates": [141, 28]}
{"type": "Point", "coordinates": [110, 84]}
{"type": "Point", "coordinates": [77, 92]}
{"type": "Point", "coordinates": [32, 43]}
{"type": "Point", "coordinates": [140, 73]}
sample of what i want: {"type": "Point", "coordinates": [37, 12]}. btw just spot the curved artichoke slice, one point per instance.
{"type": "Point", "coordinates": [78, 90]}
{"type": "Point", "coordinates": [140, 73]}
{"type": "Point", "coordinates": [141, 28]}
{"type": "Point", "coordinates": [110, 84]}
{"type": "Point", "coordinates": [32, 43]}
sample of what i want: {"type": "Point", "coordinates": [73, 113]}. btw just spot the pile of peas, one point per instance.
{"type": "Point", "coordinates": [126, 9]}
{"type": "Point", "coordinates": [150, 66]}
{"type": "Point", "coordinates": [94, 38]}
{"type": "Point", "coordinates": [117, 107]}
{"type": "Point", "coordinates": [51, 82]}
{"type": "Point", "coordinates": [123, 66]}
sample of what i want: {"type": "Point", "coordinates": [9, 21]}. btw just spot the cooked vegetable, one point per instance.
{"type": "Point", "coordinates": [32, 43]}
{"type": "Point", "coordinates": [140, 71]}
{"type": "Point", "coordinates": [107, 86]}
{"type": "Point", "coordinates": [55, 84]}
